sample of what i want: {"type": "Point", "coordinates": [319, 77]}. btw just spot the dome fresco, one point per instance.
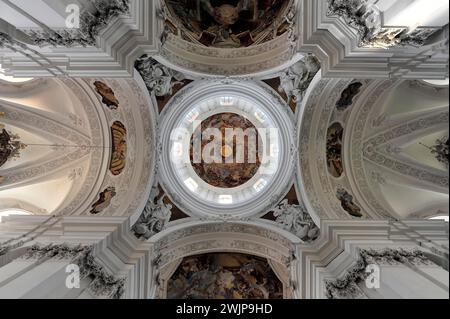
{"type": "Point", "coordinates": [228, 171]}
{"type": "Point", "coordinates": [229, 23]}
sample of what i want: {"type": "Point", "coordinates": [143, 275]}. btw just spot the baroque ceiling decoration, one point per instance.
{"type": "Point", "coordinates": [10, 145]}
{"type": "Point", "coordinates": [93, 19]}
{"type": "Point", "coordinates": [240, 273]}
{"type": "Point", "coordinates": [230, 23]}
{"type": "Point", "coordinates": [327, 145]}
{"type": "Point", "coordinates": [335, 138]}
{"type": "Point", "coordinates": [441, 150]}
{"type": "Point", "coordinates": [297, 78]}
{"type": "Point", "coordinates": [197, 102]}
{"type": "Point", "coordinates": [348, 288]}
{"type": "Point", "coordinates": [366, 18]}
{"type": "Point", "coordinates": [224, 172]}
{"type": "Point", "coordinates": [375, 149]}
{"type": "Point", "coordinates": [158, 78]}
{"type": "Point", "coordinates": [155, 216]}
{"type": "Point", "coordinates": [74, 144]}
{"type": "Point", "coordinates": [102, 284]}
{"type": "Point", "coordinates": [119, 148]}
{"type": "Point", "coordinates": [295, 219]}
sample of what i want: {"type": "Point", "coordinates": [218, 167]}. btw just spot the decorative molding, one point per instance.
{"type": "Point", "coordinates": [227, 62]}
{"type": "Point", "coordinates": [59, 252]}
{"type": "Point", "coordinates": [103, 284]}
{"type": "Point", "coordinates": [109, 57]}
{"type": "Point", "coordinates": [279, 115]}
{"type": "Point", "coordinates": [347, 287]}
{"type": "Point", "coordinates": [92, 21]}
{"type": "Point", "coordinates": [355, 154]}
{"type": "Point", "coordinates": [31, 235]}
{"type": "Point", "coordinates": [365, 17]}
{"type": "Point", "coordinates": [373, 149]}
{"type": "Point", "coordinates": [258, 239]}
{"type": "Point", "coordinates": [336, 43]}
{"type": "Point", "coordinates": [335, 136]}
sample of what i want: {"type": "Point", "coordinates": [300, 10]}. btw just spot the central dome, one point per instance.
{"type": "Point", "coordinates": [235, 160]}
{"type": "Point", "coordinates": [226, 148]}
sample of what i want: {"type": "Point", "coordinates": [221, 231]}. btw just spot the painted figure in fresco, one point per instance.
{"type": "Point", "coordinates": [228, 23]}
{"type": "Point", "coordinates": [104, 200]}
{"type": "Point", "coordinates": [347, 203]}
{"type": "Point", "coordinates": [227, 171]}
{"type": "Point", "coordinates": [334, 150]}
{"type": "Point", "coordinates": [10, 146]}
{"type": "Point", "coordinates": [224, 276]}
{"type": "Point", "coordinates": [107, 94]}
{"type": "Point", "coordinates": [5, 150]}
{"type": "Point", "coordinates": [348, 95]}
{"type": "Point", "coordinates": [119, 148]}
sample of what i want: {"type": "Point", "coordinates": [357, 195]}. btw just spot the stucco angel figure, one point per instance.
{"type": "Point", "coordinates": [296, 220]}
{"type": "Point", "coordinates": [161, 81]}
{"type": "Point", "coordinates": [295, 80]}
{"type": "Point", "coordinates": [158, 78]}
{"type": "Point", "coordinates": [154, 217]}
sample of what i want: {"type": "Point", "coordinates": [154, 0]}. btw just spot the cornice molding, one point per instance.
{"type": "Point", "coordinates": [103, 284]}
{"type": "Point", "coordinates": [110, 57]}
{"type": "Point", "coordinates": [336, 44]}
{"type": "Point", "coordinates": [347, 286]}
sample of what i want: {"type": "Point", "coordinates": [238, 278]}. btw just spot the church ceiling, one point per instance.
{"type": "Point", "coordinates": [221, 148]}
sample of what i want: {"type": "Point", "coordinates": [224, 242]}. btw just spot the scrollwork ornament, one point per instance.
{"type": "Point", "coordinates": [347, 287]}
{"type": "Point", "coordinates": [365, 17]}
{"type": "Point", "coordinates": [102, 285]}
{"type": "Point", "coordinates": [92, 21]}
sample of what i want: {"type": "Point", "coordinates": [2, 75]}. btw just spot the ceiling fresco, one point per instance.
{"type": "Point", "coordinates": [224, 276]}
{"type": "Point", "coordinates": [229, 23]}
{"type": "Point", "coordinates": [229, 172]}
